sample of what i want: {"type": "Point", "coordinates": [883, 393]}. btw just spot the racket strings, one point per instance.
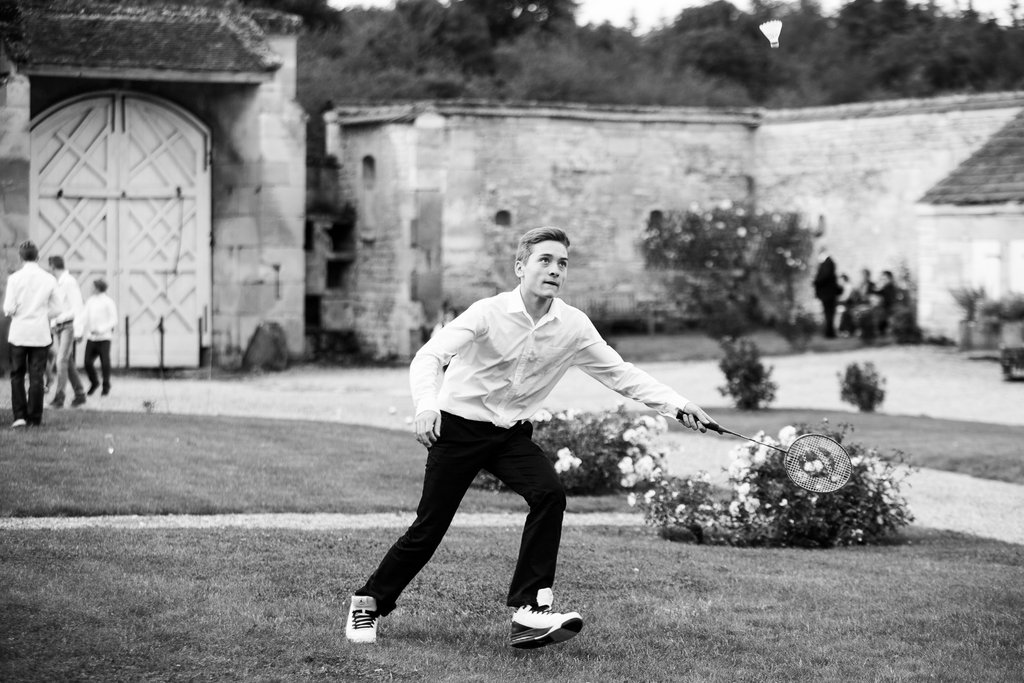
{"type": "Point", "coordinates": [818, 463]}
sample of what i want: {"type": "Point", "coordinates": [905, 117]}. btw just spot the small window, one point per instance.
{"type": "Point", "coordinates": [656, 220]}
{"type": "Point", "coordinates": [312, 311]}
{"type": "Point", "coordinates": [307, 238]}
{"type": "Point", "coordinates": [369, 173]}
{"type": "Point", "coordinates": [503, 219]}
{"type": "Point", "coordinates": [336, 273]}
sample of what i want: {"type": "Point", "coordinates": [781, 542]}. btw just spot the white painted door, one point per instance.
{"type": "Point", "coordinates": [986, 270]}
{"type": "Point", "coordinates": [1017, 266]}
{"type": "Point", "coordinates": [121, 189]}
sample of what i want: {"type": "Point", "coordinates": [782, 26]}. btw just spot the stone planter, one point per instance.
{"type": "Point", "coordinates": [1011, 335]}
{"type": "Point", "coordinates": [979, 335]}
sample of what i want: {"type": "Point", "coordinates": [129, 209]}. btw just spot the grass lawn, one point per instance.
{"type": "Point", "coordinates": [689, 346]}
{"type": "Point", "coordinates": [268, 605]}
{"type": "Point", "coordinates": [165, 464]}
{"type": "Point", "coordinates": [249, 605]}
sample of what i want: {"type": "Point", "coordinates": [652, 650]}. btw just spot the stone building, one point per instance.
{"type": "Point", "coordinates": [437, 193]}
{"type": "Point", "coordinates": [159, 146]}
{"type": "Point", "coordinates": [971, 228]}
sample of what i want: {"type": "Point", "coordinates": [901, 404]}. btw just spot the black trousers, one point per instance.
{"type": "Point", "coordinates": [30, 360]}
{"type": "Point", "coordinates": [101, 350]}
{"type": "Point", "coordinates": [463, 449]}
{"type": "Point", "coordinates": [828, 309]}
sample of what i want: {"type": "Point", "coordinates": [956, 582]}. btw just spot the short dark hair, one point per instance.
{"type": "Point", "coordinates": [100, 284]}
{"type": "Point", "coordinates": [57, 262]}
{"type": "Point", "coordinates": [536, 236]}
{"type": "Point", "coordinates": [28, 251]}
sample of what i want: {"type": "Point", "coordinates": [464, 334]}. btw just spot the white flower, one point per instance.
{"type": "Point", "coordinates": [743, 489]}
{"type": "Point", "coordinates": [734, 508]}
{"type": "Point", "coordinates": [566, 461]}
{"type": "Point", "coordinates": [630, 436]}
{"type": "Point", "coordinates": [542, 415]}
{"type": "Point", "coordinates": [626, 465]}
{"type": "Point", "coordinates": [783, 503]}
{"type": "Point", "coordinates": [704, 477]}
{"type": "Point", "coordinates": [628, 481]}
{"type": "Point", "coordinates": [572, 414]}
{"type": "Point", "coordinates": [631, 499]}
{"type": "Point", "coordinates": [760, 456]}
{"type": "Point", "coordinates": [661, 424]}
{"type": "Point", "coordinates": [680, 509]}
{"type": "Point", "coordinates": [787, 435]}
{"type": "Point", "coordinates": [649, 496]}
{"type": "Point", "coordinates": [645, 466]}
{"type": "Point", "coordinates": [752, 504]}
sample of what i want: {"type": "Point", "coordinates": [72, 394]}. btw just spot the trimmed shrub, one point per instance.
{"type": "Point", "coordinates": [903, 326]}
{"type": "Point", "coordinates": [862, 387]}
{"type": "Point", "coordinates": [748, 380]}
{"type": "Point", "coordinates": [596, 453]}
{"type": "Point", "coordinates": [765, 508]}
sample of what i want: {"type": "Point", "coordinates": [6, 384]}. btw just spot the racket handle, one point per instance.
{"type": "Point", "coordinates": [713, 426]}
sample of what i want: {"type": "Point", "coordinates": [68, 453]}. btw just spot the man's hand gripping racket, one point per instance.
{"type": "Point", "coordinates": [813, 461]}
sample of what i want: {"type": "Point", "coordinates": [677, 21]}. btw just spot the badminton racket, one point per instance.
{"type": "Point", "coordinates": [814, 462]}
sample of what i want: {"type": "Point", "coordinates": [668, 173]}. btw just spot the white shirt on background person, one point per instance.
{"type": "Point", "coordinates": [100, 317]}
{"type": "Point", "coordinates": [31, 300]}
{"type": "Point", "coordinates": [71, 305]}
{"type": "Point", "coordinates": [503, 366]}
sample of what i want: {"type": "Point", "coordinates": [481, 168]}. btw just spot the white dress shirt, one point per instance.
{"type": "Point", "coordinates": [31, 300]}
{"type": "Point", "coordinates": [100, 318]}
{"type": "Point", "coordinates": [503, 365]}
{"type": "Point", "coordinates": [71, 305]}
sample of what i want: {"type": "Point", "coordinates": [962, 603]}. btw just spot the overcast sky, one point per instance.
{"type": "Point", "coordinates": [651, 13]}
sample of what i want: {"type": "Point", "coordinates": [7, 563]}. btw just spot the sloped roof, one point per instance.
{"type": "Point", "coordinates": [50, 36]}
{"type": "Point", "coordinates": [992, 175]}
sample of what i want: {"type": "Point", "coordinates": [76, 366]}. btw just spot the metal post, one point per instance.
{"type": "Point", "coordinates": [200, 328]}
{"type": "Point", "coordinates": [161, 328]}
{"type": "Point", "coordinates": [127, 344]}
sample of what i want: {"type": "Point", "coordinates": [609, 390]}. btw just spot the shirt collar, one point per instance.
{"type": "Point", "coordinates": [517, 305]}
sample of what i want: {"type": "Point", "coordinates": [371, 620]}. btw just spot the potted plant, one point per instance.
{"type": "Point", "coordinates": [969, 300]}
{"type": "Point", "coordinates": [1011, 313]}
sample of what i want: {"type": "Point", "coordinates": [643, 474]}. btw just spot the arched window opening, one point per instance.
{"type": "Point", "coordinates": [503, 219]}
{"type": "Point", "coordinates": [369, 172]}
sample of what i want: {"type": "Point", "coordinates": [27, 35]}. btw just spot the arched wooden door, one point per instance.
{"type": "Point", "coordinates": [121, 189]}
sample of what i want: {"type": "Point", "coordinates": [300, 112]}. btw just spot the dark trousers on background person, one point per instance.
{"type": "Point", "coordinates": [101, 350]}
{"type": "Point", "coordinates": [29, 360]}
{"type": "Point", "coordinates": [828, 309]}
{"type": "Point", "coordinates": [463, 449]}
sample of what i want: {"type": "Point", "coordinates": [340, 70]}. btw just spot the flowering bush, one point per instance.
{"type": "Point", "coordinates": [730, 259]}
{"type": "Point", "coordinates": [765, 508]}
{"type": "Point", "coordinates": [597, 453]}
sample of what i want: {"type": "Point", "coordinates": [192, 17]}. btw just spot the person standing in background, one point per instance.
{"type": "Point", "coordinates": [67, 329]}
{"type": "Point", "coordinates": [98, 328]}
{"type": "Point", "coordinates": [826, 289]}
{"type": "Point", "coordinates": [31, 301]}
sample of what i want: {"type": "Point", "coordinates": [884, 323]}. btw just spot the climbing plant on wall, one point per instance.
{"type": "Point", "coordinates": [732, 265]}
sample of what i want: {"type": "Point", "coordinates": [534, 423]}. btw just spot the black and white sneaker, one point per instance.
{"type": "Point", "coordinates": [534, 627]}
{"type": "Point", "coordinates": [361, 626]}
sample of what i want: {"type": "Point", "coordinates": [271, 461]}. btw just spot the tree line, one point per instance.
{"type": "Point", "coordinates": [709, 55]}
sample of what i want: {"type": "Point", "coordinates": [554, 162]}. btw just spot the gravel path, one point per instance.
{"type": "Point", "coordinates": [928, 381]}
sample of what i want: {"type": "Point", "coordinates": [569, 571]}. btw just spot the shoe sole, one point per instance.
{"type": "Point", "coordinates": [530, 640]}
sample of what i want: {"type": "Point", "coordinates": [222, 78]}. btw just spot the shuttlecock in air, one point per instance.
{"type": "Point", "coordinates": [771, 31]}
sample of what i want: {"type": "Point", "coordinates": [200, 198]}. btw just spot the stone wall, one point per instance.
{"type": "Point", "coordinates": [858, 170]}
{"type": "Point", "coordinates": [855, 171]}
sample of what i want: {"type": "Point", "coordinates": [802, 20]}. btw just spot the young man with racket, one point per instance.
{"type": "Point", "coordinates": [506, 354]}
